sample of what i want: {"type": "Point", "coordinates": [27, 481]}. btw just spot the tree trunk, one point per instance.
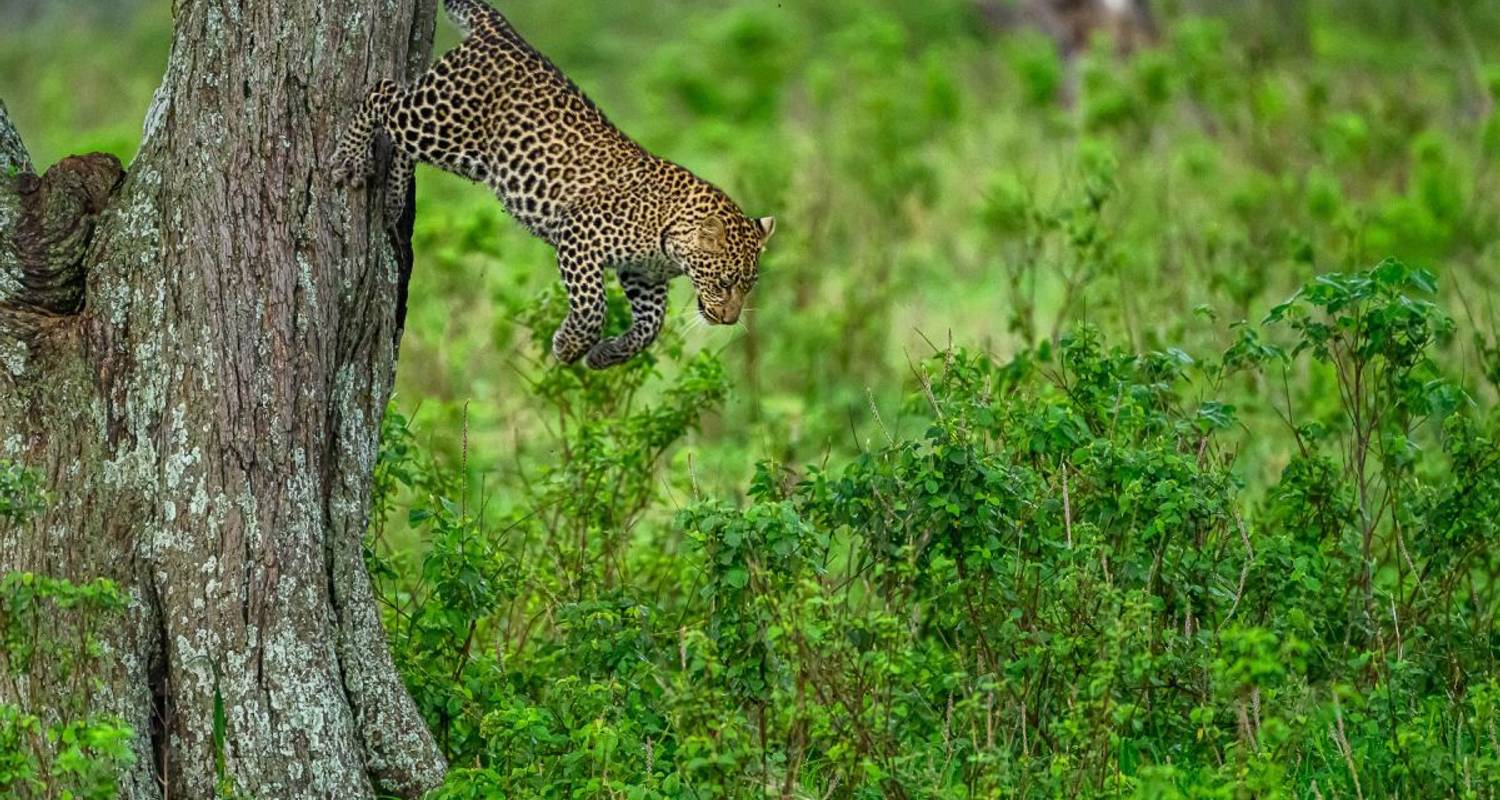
{"type": "Point", "coordinates": [196, 356]}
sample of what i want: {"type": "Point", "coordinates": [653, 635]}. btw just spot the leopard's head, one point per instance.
{"type": "Point", "coordinates": [719, 248]}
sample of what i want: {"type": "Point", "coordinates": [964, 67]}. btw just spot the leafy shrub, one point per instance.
{"type": "Point", "coordinates": [48, 624]}
{"type": "Point", "coordinates": [1057, 587]}
{"type": "Point", "coordinates": [20, 493]}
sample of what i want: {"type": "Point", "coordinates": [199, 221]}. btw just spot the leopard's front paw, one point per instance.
{"type": "Point", "coordinates": [568, 348]}
{"type": "Point", "coordinates": [608, 353]}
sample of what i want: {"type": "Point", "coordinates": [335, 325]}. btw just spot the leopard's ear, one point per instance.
{"type": "Point", "coordinates": [767, 227]}
{"type": "Point", "coordinates": [712, 235]}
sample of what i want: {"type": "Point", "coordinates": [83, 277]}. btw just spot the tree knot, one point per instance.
{"type": "Point", "coordinates": [43, 251]}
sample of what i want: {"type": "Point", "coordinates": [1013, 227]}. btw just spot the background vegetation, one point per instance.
{"type": "Point", "coordinates": [1067, 451]}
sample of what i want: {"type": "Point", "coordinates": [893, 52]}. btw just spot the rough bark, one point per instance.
{"type": "Point", "coordinates": [196, 355]}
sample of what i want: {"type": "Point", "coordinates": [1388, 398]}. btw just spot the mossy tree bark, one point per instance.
{"type": "Point", "coordinates": [196, 354]}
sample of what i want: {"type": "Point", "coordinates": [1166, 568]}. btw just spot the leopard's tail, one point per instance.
{"type": "Point", "coordinates": [474, 16]}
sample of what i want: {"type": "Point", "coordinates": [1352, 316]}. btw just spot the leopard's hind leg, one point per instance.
{"type": "Point", "coordinates": [434, 122]}
{"type": "Point", "coordinates": [441, 119]}
{"type": "Point", "coordinates": [397, 185]}
{"type": "Point", "coordinates": [352, 159]}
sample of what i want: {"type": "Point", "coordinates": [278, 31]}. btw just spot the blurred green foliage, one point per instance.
{"type": "Point", "coordinates": [1024, 476]}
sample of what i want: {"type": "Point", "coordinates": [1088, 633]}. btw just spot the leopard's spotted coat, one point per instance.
{"type": "Point", "coordinates": [496, 110]}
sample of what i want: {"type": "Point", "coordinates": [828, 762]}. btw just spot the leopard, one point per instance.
{"type": "Point", "coordinates": [496, 111]}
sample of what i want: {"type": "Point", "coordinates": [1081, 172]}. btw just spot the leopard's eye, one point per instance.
{"type": "Point", "coordinates": [727, 282]}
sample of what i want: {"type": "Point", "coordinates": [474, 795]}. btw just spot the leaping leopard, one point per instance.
{"type": "Point", "coordinates": [496, 110]}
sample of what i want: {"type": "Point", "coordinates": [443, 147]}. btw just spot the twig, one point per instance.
{"type": "Point", "coordinates": [878, 421]}
{"type": "Point", "coordinates": [926, 386]}
{"type": "Point", "coordinates": [1067, 508]}
{"type": "Point", "coordinates": [1239, 591]}
{"type": "Point", "coordinates": [1342, 741]}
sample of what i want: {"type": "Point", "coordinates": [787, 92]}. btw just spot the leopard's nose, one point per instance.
{"type": "Point", "coordinates": [728, 311]}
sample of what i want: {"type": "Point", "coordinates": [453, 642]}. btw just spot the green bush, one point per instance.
{"type": "Point", "coordinates": [68, 750]}
{"type": "Point", "coordinates": [1057, 586]}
